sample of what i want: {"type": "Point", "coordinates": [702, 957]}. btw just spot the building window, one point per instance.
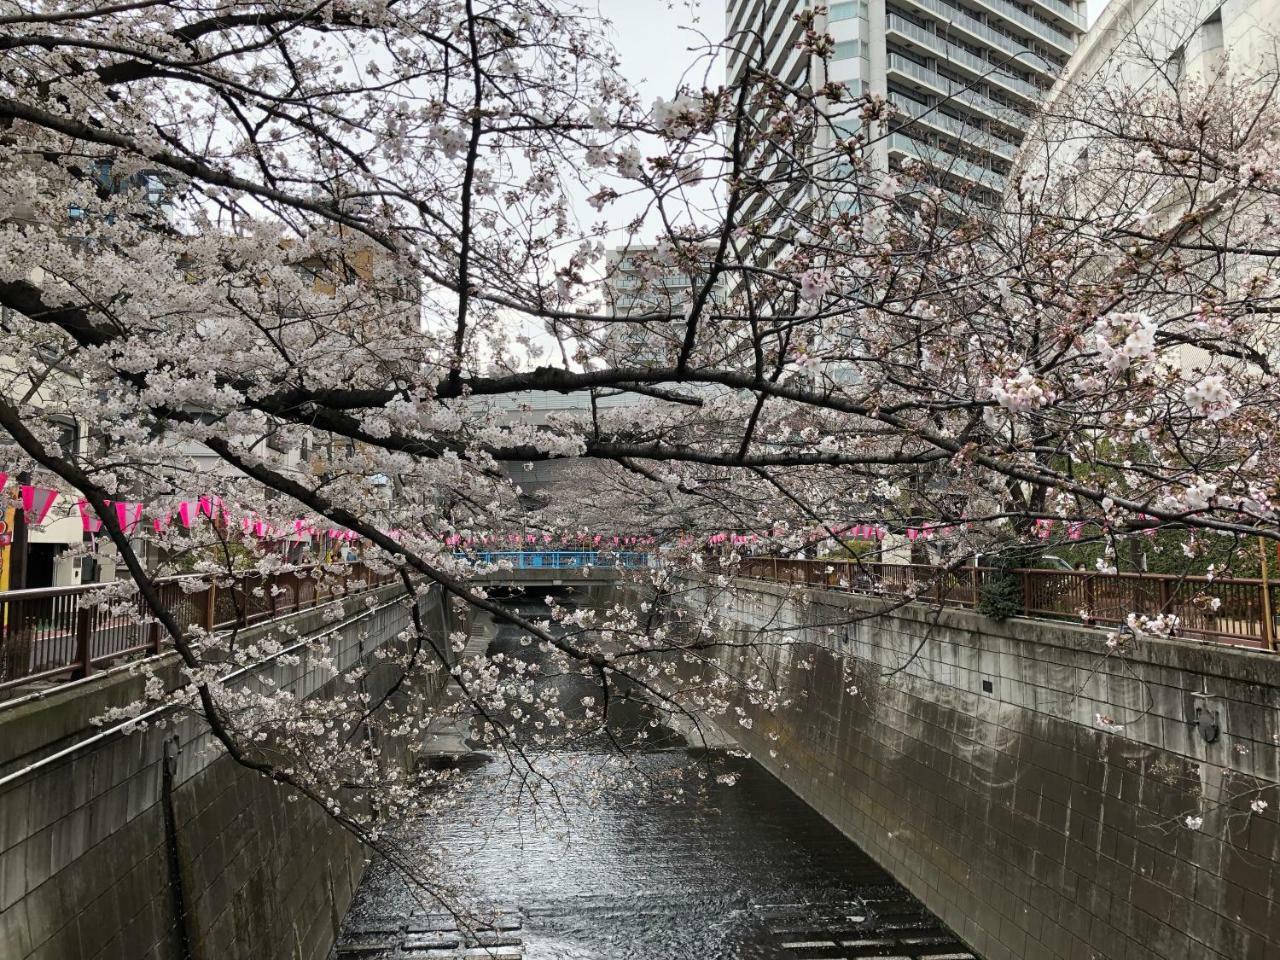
{"type": "Point", "coordinates": [847, 11]}
{"type": "Point", "coordinates": [68, 434]}
{"type": "Point", "coordinates": [848, 49]}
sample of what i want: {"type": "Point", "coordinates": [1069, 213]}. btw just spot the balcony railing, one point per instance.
{"type": "Point", "coordinates": [954, 17]}
{"type": "Point", "coordinates": [943, 160]}
{"type": "Point", "coordinates": [957, 92]}
{"type": "Point", "coordinates": [1064, 10]}
{"type": "Point", "coordinates": [965, 133]}
{"type": "Point", "coordinates": [1019, 86]}
{"type": "Point", "coordinates": [936, 44]}
{"type": "Point", "coordinates": [1037, 28]}
{"type": "Point", "coordinates": [959, 56]}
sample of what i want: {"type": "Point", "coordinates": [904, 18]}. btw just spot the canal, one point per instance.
{"type": "Point", "coordinates": [745, 872]}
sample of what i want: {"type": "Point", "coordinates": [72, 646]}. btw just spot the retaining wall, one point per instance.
{"type": "Point", "coordinates": [1027, 784]}
{"type": "Point", "coordinates": [156, 844]}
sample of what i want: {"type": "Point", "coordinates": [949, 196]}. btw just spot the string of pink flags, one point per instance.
{"type": "Point", "coordinates": [128, 516]}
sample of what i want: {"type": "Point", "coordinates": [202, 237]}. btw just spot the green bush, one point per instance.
{"type": "Point", "coordinates": [1000, 595]}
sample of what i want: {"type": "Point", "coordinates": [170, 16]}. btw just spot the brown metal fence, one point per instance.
{"type": "Point", "coordinates": [61, 633]}
{"type": "Point", "coordinates": [1221, 610]}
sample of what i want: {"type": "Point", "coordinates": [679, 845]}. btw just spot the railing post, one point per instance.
{"type": "Point", "coordinates": [1268, 624]}
{"type": "Point", "coordinates": [84, 644]}
{"type": "Point", "coordinates": [154, 636]}
{"type": "Point", "coordinates": [1026, 593]}
{"type": "Point", "coordinates": [210, 603]}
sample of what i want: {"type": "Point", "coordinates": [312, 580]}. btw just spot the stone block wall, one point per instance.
{"type": "Point", "coordinates": [156, 844]}
{"type": "Point", "coordinates": [1027, 784]}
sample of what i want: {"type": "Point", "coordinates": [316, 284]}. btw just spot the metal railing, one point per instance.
{"type": "Point", "coordinates": [955, 17]}
{"type": "Point", "coordinates": [957, 55]}
{"type": "Point", "coordinates": [65, 633]}
{"type": "Point", "coordinates": [1066, 11]}
{"type": "Point", "coordinates": [1221, 610]}
{"type": "Point", "coordinates": [965, 133]}
{"type": "Point", "coordinates": [945, 161]}
{"type": "Point", "coordinates": [1040, 29]}
{"type": "Point", "coordinates": [958, 92]}
{"type": "Point", "coordinates": [565, 559]}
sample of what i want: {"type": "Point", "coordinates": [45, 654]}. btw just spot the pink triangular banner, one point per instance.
{"type": "Point", "coordinates": [36, 502]}
{"type": "Point", "coordinates": [88, 521]}
{"type": "Point", "coordinates": [128, 516]}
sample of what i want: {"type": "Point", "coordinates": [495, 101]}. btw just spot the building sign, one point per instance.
{"type": "Point", "coordinates": [6, 547]}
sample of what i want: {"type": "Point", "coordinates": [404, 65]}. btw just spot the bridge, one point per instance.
{"type": "Point", "coordinates": [601, 560]}
{"type": "Point", "coordinates": [1029, 784]}
{"type": "Point", "coordinates": [587, 575]}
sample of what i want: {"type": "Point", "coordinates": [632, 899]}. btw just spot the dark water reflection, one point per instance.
{"type": "Point", "coordinates": [747, 873]}
{"type": "Point", "coordinates": [735, 878]}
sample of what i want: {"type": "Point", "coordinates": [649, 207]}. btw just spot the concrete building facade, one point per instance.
{"type": "Point", "coordinates": [1136, 41]}
{"type": "Point", "coordinates": [1140, 58]}
{"type": "Point", "coordinates": [1150, 46]}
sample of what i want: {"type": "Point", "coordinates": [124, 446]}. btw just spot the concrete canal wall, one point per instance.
{"type": "Point", "coordinates": [1028, 787]}
{"type": "Point", "coordinates": [156, 844]}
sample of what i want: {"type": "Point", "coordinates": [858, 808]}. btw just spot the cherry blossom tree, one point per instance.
{"type": "Point", "coordinates": [372, 228]}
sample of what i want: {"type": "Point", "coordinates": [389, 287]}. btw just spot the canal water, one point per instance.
{"type": "Point", "coordinates": [746, 872]}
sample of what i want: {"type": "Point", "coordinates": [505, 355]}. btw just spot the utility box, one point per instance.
{"type": "Point", "coordinates": [66, 571]}
{"type": "Point", "coordinates": [106, 569]}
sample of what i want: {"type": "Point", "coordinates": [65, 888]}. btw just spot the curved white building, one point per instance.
{"type": "Point", "coordinates": [1137, 41]}
{"type": "Point", "coordinates": [1141, 47]}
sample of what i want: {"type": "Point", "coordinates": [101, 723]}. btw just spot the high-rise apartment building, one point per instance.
{"type": "Point", "coordinates": [965, 76]}
{"type": "Point", "coordinates": [647, 281]}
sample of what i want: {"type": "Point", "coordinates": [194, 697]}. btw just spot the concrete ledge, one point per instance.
{"type": "Point", "coordinates": [1245, 664]}
{"type": "Point", "coordinates": [95, 842]}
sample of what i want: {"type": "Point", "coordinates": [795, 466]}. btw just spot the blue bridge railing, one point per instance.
{"type": "Point", "coordinates": [565, 559]}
